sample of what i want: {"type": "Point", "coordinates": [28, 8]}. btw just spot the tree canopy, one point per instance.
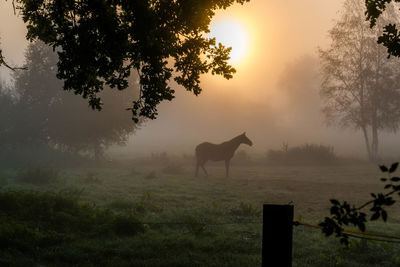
{"type": "Point", "coordinates": [100, 42]}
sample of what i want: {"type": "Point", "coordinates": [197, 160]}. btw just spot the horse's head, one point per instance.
{"type": "Point", "coordinates": [245, 140]}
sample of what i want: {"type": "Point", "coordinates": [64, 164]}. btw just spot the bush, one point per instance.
{"type": "Point", "coordinates": [37, 176]}
{"type": "Point", "coordinates": [305, 154]}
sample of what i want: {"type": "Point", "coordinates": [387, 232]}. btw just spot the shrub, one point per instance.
{"type": "Point", "coordinates": [305, 154]}
{"type": "Point", "coordinates": [38, 176]}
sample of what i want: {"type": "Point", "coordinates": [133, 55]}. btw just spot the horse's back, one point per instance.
{"type": "Point", "coordinates": [210, 151]}
{"type": "Point", "coordinates": [204, 148]}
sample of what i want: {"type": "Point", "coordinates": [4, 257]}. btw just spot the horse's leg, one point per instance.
{"type": "Point", "coordinates": [197, 169]}
{"type": "Point", "coordinates": [227, 162]}
{"type": "Point", "coordinates": [204, 169]}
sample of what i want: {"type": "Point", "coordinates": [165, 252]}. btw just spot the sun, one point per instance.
{"type": "Point", "coordinates": [231, 33]}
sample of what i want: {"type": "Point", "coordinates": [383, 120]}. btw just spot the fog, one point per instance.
{"type": "Point", "coordinates": [87, 187]}
{"type": "Point", "coordinates": [273, 97]}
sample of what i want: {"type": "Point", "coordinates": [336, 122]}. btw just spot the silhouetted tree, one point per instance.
{"type": "Point", "coordinates": [100, 42]}
{"type": "Point", "coordinates": [360, 85]}
{"type": "Point", "coordinates": [46, 115]}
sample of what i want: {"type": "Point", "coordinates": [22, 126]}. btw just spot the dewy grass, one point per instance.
{"type": "Point", "coordinates": [40, 225]}
{"type": "Point", "coordinates": [183, 221]}
{"type": "Point", "coordinates": [37, 176]}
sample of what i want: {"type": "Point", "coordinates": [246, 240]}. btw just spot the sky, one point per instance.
{"type": "Point", "coordinates": [264, 99]}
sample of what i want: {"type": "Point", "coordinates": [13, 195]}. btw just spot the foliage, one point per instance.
{"type": "Point", "coordinates": [100, 43]}
{"type": "Point", "coordinates": [345, 214]}
{"type": "Point", "coordinates": [360, 85]}
{"type": "Point", "coordinates": [304, 154]}
{"type": "Point", "coordinates": [38, 176]}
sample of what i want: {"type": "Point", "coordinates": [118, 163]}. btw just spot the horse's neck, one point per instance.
{"type": "Point", "coordinates": [234, 143]}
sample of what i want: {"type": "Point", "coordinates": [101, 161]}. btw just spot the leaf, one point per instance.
{"type": "Point", "coordinates": [334, 202]}
{"type": "Point", "coordinates": [395, 179]}
{"type": "Point", "coordinates": [383, 179]}
{"type": "Point", "coordinates": [373, 195]}
{"type": "Point", "coordinates": [383, 168]}
{"type": "Point", "coordinates": [393, 167]}
{"type": "Point", "coordinates": [384, 215]}
{"type": "Point", "coordinates": [387, 186]}
{"type": "Point", "coordinates": [375, 216]}
{"type": "Point", "coordinates": [362, 227]}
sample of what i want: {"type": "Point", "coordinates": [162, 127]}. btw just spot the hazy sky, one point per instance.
{"type": "Point", "coordinates": [282, 38]}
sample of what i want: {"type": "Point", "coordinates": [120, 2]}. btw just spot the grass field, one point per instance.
{"type": "Point", "coordinates": [204, 221]}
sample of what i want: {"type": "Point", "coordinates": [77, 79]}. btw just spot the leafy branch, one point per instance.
{"type": "Point", "coordinates": [343, 214]}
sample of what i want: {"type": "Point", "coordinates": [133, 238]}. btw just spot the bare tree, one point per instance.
{"type": "Point", "coordinates": [360, 86]}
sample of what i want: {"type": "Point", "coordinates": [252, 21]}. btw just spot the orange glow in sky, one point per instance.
{"type": "Point", "coordinates": [231, 33]}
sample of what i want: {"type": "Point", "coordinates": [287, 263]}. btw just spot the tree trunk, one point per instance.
{"type": "Point", "coordinates": [367, 145]}
{"type": "Point", "coordinates": [375, 142]}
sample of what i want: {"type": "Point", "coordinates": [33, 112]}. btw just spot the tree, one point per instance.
{"type": "Point", "coordinates": [360, 85]}
{"type": "Point", "coordinates": [100, 42]}
{"type": "Point", "coordinates": [46, 115]}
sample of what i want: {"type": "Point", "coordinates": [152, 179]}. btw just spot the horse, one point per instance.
{"type": "Point", "coordinates": [224, 151]}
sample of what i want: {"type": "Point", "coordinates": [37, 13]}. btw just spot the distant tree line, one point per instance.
{"type": "Point", "coordinates": [37, 114]}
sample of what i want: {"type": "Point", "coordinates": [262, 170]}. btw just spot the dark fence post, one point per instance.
{"type": "Point", "coordinates": [277, 235]}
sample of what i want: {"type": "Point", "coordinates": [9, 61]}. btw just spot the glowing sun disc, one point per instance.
{"type": "Point", "coordinates": [231, 34]}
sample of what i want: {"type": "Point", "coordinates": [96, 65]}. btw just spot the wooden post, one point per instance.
{"type": "Point", "coordinates": [277, 235]}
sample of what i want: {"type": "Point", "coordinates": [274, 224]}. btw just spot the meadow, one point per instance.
{"type": "Point", "coordinates": [141, 213]}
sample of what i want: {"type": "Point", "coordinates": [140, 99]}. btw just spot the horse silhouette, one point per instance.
{"type": "Point", "coordinates": [224, 151]}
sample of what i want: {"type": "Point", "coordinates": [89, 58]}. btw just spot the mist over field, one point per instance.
{"type": "Point", "coordinates": [274, 96]}
{"type": "Point", "coordinates": [161, 176]}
